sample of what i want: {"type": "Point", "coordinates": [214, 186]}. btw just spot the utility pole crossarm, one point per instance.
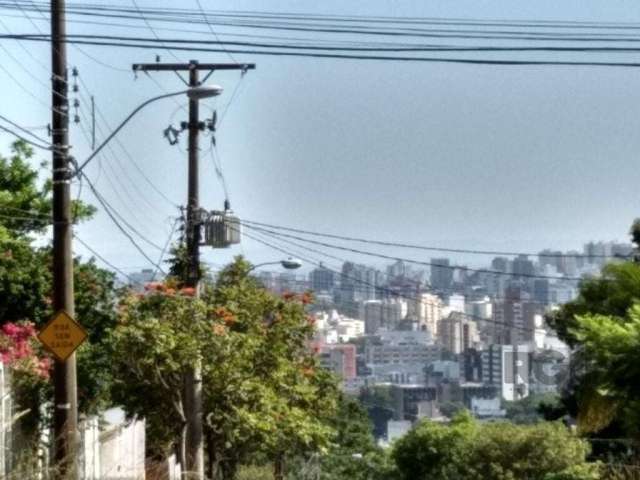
{"type": "Point", "coordinates": [158, 67]}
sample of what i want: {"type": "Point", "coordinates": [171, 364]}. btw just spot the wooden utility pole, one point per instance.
{"type": "Point", "coordinates": [65, 418]}
{"type": "Point", "coordinates": [194, 450]}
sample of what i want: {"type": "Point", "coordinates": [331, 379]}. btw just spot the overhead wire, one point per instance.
{"type": "Point", "coordinates": [113, 212]}
{"type": "Point", "coordinates": [153, 32]}
{"type": "Point", "coordinates": [432, 290]}
{"type": "Point", "coordinates": [217, 165]}
{"type": "Point", "coordinates": [24, 139]}
{"type": "Point", "coordinates": [126, 152]}
{"type": "Point", "coordinates": [338, 56]}
{"type": "Point", "coordinates": [122, 176]}
{"type": "Point", "coordinates": [80, 50]}
{"type": "Point", "coordinates": [166, 246]}
{"type": "Point", "coordinates": [262, 14]}
{"type": "Point", "coordinates": [25, 49]}
{"type": "Point", "coordinates": [394, 293]}
{"type": "Point", "coordinates": [102, 259]}
{"type": "Point", "coordinates": [231, 57]}
{"type": "Point", "coordinates": [413, 261]}
{"type": "Point", "coordinates": [25, 130]}
{"type": "Point", "coordinates": [118, 187]}
{"type": "Point", "coordinates": [427, 248]}
{"type": "Point", "coordinates": [182, 15]}
{"type": "Point", "coordinates": [110, 213]}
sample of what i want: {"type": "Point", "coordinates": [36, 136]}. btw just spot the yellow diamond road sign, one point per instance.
{"type": "Point", "coordinates": [62, 335]}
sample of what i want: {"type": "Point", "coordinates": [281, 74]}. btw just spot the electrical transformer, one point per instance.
{"type": "Point", "coordinates": [221, 229]}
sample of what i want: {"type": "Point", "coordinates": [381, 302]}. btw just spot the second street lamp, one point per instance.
{"type": "Point", "coordinates": [287, 264]}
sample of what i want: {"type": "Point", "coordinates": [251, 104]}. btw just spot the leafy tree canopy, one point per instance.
{"type": "Point", "coordinates": [25, 270]}
{"type": "Point", "coordinates": [468, 450]}
{"type": "Point", "coordinates": [263, 389]}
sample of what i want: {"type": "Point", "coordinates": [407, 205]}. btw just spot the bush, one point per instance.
{"type": "Point", "coordinates": [468, 450]}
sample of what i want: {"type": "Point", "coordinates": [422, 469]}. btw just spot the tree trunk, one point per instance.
{"type": "Point", "coordinates": [212, 461]}
{"type": "Point", "coordinates": [183, 452]}
{"type": "Point", "coordinates": [278, 467]}
{"type": "Point", "coordinates": [229, 470]}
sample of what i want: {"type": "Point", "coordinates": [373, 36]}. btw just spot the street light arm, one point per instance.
{"type": "Point", "coordinates": [261, 265]}
{"type": "Point", "coordinates": [126, 120]}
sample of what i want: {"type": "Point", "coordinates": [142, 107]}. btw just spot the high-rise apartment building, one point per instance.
{"type": "Point", "coordinates": [458, 333]}
{"type": "Point", "coordinates": [322, 279]}
{"type": "Point", "coordinates": [441, 274]}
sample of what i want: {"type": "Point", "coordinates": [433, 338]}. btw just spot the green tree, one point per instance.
{"type": "Point", "coordinates": [261, 369]}
{"type": "Point", "coordinates": [610, 349]}
{"type": "Point", "coordinates": [263, 390]}
{"type": "Point", "coordinates": [432, 451]}
{"type": "Point", "coordinates": [534, 408]}
{"type": "Point", "coordinates": [25, 206]}
{"type": "Point", "coordinates": [611, 295]}
{"type": "Point", "coordinates": [25, 270]}
{"type": "Point", "coordinates": [353, 454]}
{"type": "Point", "coordinates": [379, 404]}
{"type": "Point", "coordinates": [451, 409]}
{"type": "Point", "coordinates": [155, 341]}
{"type": "Point", "coordinates": [468, 450]}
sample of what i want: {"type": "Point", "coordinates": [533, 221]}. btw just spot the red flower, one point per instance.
{"type": "Point", "coordinates": [219, 330]}
{"type": "Point", "coordinates": [288, 296]}
{"type": "Point", "coordinates": [157, 286]}
{"type": "Point", "coordinates": [188, 291]}
{"type": "Point", "coordinates": [306, 298]}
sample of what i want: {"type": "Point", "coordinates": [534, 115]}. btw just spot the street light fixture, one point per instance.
{"type": "Point", "coordinates": [204, 91]}
{"type": "Point", "coordinates": [194, 93]}
{"type": "Point", "coordinates": [287, 264]}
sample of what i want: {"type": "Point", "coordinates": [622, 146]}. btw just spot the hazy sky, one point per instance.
{"type": "Point", "coordinates": [457, 156]}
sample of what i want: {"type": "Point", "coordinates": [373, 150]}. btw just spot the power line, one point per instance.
{"type": "Point", "coordinates": [266, 19]}
{"type": "Point", "coordinates": [217, 165]}
{"type": "Point", "coordinates": [126, 152]}
{"type": "Point", "coordinates": [417, 262]}
{"type": "Point", "coordinates": [144, 19]}
{"type": "Point", "coordinates": [112, 215]}
{"type": "Point", "coordinates": [26, 90]}
{"type": "Point", "coordinates": [123, 174]}
{"type": "Point", "coordinates": [434, 291]}
{"type": "Point", "coordinates": [24, 130]}
{"type": "Point", "coordinates": [394, 293]}
{"type": "Point", "coordinates": [366, 47]}
{"type": "Point", "coordinates": [30, 142]}
{"type": "Point", "coordinates": [337, 56]}
{"type": "Point", "coordinates": [104, 260]}
{"type": "Point", "coordinates": [118, 187]}
{"type": "Point", "coordinates": [427, 248]}
{"type": "Point", "coordinates": [166, 246]}
{"type": "Point", "coordinates": [233, 96]}
{"type": "Point", "coordinates": [212, 30]}
{"type": "Point", "coordinates": [341, 48]}
{"type": "Point", "coordinates": [33, 213]}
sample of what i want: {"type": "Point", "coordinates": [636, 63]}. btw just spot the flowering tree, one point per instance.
{"type": "Point", "coordinates": [158, 336]}
{"type": "Point", "coordinates": [26, 280]}
{"type": "Point", "coordinates": [263, 390]}
{"type": "Point", "coordinates": [29, 369]}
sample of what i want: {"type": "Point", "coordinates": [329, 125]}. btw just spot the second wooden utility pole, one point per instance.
{"type": "Point", "coordinates": [194, 454]}
{"type": "Point", "coordinates": [194, 448]}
